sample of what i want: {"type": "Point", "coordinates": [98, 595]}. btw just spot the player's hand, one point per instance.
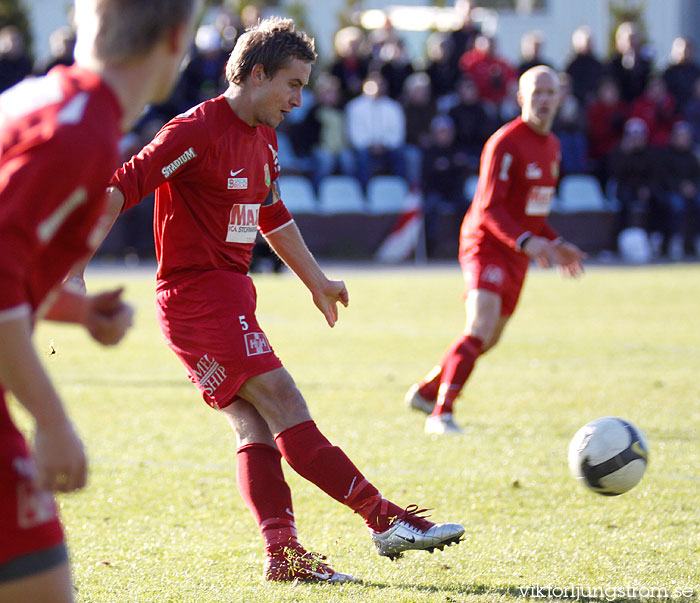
{"type": "Point", "coordinates": [327, 298]}
{"type": "Point", "coordinates": [541, 250]}
{"type": "Point", "coordinates": [60, 458]}
{"type": "Point", "coordinates": [568, 257]}
{"type": "Point", "coordinates": [108, 317]}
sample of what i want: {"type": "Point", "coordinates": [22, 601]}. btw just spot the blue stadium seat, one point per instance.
{"type": "Point", "coordinates": [580, 192]}
{"type": "Point", "coordinates": [387, 195]}
{"type": "Point", "coordinates": [298, 194]}
{"type": "Point", "coordinates": [470, 185]}
{"type": "Point", "coordinates": [340, 195]}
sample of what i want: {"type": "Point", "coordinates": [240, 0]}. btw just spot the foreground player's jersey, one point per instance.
{"type": "Point", "coordinates": [517, 180]}
{"type": "Point", "coordinates": [59, 138]}
{"type": "Point", "coordinates": [211, 172]}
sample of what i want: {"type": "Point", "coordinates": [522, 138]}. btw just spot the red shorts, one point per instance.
{"type": "Point", "coordinates": [499, 271]}
{"type": "Point", "coordinates": [28, 519]}
{"type": "Point", "coordinates": [208, 320]}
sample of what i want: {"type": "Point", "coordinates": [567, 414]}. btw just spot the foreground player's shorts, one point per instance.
{"type": "Point", "coordinates": [499, 271]}
{"type": "Point", "coordinates": [31, 538]}
{"type": "Point", "coordinates": [208, 320]}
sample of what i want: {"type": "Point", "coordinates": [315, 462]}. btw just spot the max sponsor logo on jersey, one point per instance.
{"type": "Point", "coordinates": [257, 343]}
{"type": "Point", "coordinates": [243, 223]}
{"type": "Point", "coordinates": [539, 201]}
{"type": "Point", "coordinates": [209, 374]}
{"type": "Point", "coordinates": [236, 182]}
{"type": "Point", "coordinates": [171, 168]}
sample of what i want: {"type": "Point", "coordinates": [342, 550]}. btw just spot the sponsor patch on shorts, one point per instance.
{"type": "Point", "coordinates": [256, 343]}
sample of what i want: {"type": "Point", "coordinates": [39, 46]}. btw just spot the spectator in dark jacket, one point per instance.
{"type": "Point", "coordinates": [631, 65]}
{"type": "Point", "coordinates": [681, 171]}
{"type": "Point", "coordinates": [584, 68]}
{"type": "Point", "coordinates": [682, 71]}
{"type": "Point", "coordinates": [445, 170]}
{"type": "Point", "coordinates": [472, 123]}
{"type": "Point", "coordinates": [15, 63]}
{"type": "Point", "coordinates": [634, 166]}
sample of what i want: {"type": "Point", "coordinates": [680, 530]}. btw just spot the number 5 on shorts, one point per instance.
{"type": "Point", "coordinates": [243, 321]}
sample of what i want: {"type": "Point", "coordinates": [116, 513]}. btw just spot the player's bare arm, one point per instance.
{"type": "Point", "coordinates": [289, 245]}
{"type": "Point", "coordinates": [114, 202]}
{"type": "Point", "coordinates": [60, 458]}
{"type": "Point", "coordinates": [105, 316]}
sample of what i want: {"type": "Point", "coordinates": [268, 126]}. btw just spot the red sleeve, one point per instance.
{"type": "Point", "coordinates": [499, 165]}
{"type": "Point", "coordinates": [172, 154]}
{"type": "Point", "coordinates": [41, 189]}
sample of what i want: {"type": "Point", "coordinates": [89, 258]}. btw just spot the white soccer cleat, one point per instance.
{"type": "Point", "coordinates": [410, 531]}
{"type": "Point", "coordinates": [442, 425]}
{"type": "Point", "coordinates": [417, 402]}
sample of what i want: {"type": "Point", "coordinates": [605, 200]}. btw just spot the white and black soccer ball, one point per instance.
{"type": "Point", "coordinates": [608, 455]}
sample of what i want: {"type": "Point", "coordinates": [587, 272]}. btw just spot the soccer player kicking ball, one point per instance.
{"type": "Point", "coordinates": [504, 228]}
{"type": "Point", "coordinates": [59, 139]}
{"type": "Point", "coordinates": [214, 170]}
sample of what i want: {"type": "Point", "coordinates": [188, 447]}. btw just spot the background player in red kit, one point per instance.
{"type": "Point", "coordinates": [215, 172]}
{"type": "Point", "coordinates": [504, 228]}
{"type": "Point", "coordinates": [58, 149]}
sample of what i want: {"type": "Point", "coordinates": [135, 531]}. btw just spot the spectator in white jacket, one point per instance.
{"type": "Point", "coordinates": [376, 127]}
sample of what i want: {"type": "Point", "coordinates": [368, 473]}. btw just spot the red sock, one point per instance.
{"type": "Point", "coordinates": [266, 493]}
{"type": "Point", "coordinates": [313, 457]}
{"type": "Point", "coordinates": [457, 365]}
{"type": "Point", "coordinates": [428, 388]}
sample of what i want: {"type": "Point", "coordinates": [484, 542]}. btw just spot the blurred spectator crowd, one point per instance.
{"type": "Point", "coordinates": [372, 109]}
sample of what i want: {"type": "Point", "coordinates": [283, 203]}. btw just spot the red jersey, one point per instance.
{"type": "Point", "coordinates": [211, 172]}
{"type": "Point", "coordinates": [517, 180]}
{"type": "Point", "coordinates": [58, 147]}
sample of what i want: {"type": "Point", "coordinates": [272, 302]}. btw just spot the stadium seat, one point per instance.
{"type": "Point", "coordinates": [470, 185]}
{"type": "Point", "coordinates": [580, 192]}
{"type": "Point", "coordinates": [387, 195]}
{"type": "Point", "coordinates": [340, 195]}
{"type": "Point", "coordinates": [298, 194]}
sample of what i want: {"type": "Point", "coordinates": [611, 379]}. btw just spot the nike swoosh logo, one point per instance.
{"type": "Point", "coordinates": [233, 174]}
{"type": "Point", "coordinates": [352, 485]}
{"type": "Point", "coordinates": [410, 539]}
{"type": "Point", "coordinates": [319, 575]}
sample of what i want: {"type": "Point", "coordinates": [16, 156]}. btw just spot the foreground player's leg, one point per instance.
{"type": "Point", "coordinates": [264, 490]}
{"type": "Point", "coordinates": [311, 455]}
{"type": "Point", "coordinates": [48, 586]}
{"type": "Point", "coordinates": [393, 529]}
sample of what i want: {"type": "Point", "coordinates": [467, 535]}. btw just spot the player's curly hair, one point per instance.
{"type": "Point", "coordinates": [128, 29]}
{"type": "Point", "coordinates": [272, 43]}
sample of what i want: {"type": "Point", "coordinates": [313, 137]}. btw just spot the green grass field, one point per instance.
{"type": "Point", "coordinates": [161, 519]}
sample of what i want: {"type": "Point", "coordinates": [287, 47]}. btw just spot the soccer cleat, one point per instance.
{"type": "Point", "coordinates": [292, 562]}
{"type": "Point", "coordinates": [410, 530]}
{"type": "Point", "coordinates": [417, 402]}
{"type": "Point", "coordinates": [442, 424]}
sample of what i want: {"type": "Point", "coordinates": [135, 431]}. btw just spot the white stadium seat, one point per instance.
{"type": "Point", "coordinates": [340, 195]}
{"type": "Point", "coordinates": [298, 194]}
{"type": "Point", "coordinates": [387, 195]}
{"type": "Point", "coordinates": [580, 192]}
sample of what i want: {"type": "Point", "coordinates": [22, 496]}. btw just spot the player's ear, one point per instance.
{"type": "Point", "coordinates": [519, 97]}
{"type": "Point", "coordinates": [257, 73]}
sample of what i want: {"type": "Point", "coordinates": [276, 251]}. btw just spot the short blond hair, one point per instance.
{"type": "Point", "coordinates": [272, 43]}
